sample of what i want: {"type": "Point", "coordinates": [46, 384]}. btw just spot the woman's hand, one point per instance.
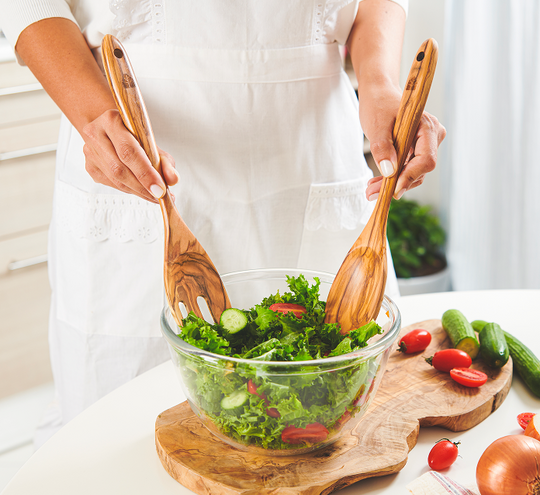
{"type": "Point", "coordinates": [375, 48]}
{"type": "Point", "coordinates": [378, 115]}
{"type": "Point", "coordinates": [56, 52]}
{"type": "Point", "coordinates": [115, 158]}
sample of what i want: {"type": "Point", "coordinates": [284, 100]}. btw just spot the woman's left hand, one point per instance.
{"type": "Point", "coordinates": [378, 121]}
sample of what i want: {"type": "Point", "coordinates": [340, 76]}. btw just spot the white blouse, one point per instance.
{"type": "Point", "coordinates": [94, 17]}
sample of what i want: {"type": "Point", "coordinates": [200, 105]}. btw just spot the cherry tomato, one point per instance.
{"type": "Point", "coordinates": [468, 377]}
{"type": "Point", "coordinates": [343, 419]}
{"type": "Point", "coordinates": [448, 359]}
{"type": "Point", "coordinates": [414, 341]}
{"type": "Point", "coordinates": [252, 389]}
{"type": "Point", "coordinates": [273, 412]}
{"type": "Point", "coordinates": [524, 419]}
{"type": "Point", "coordinates": [362, 397]}
{"type": "Point", "coordinates": [285, 308]}
{"type": "Point", "coordinates": [312, 433]}
{"type": "Point", "coordinates": [443, 454]}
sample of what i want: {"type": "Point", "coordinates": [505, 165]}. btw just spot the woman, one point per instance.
{"type": "Point", "coordinates": [262, 122]}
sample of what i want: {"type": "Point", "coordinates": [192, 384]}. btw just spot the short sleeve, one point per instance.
{"type": "Point", "coordinates": [403, 3]}
{"type": "Point", "coordinates": [19, 14]}
{"type": "Point", "coordinates": [339, 18]}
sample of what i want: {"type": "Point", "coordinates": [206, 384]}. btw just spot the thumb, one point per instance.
{"type": "Point", "coordinates": [384, 154]}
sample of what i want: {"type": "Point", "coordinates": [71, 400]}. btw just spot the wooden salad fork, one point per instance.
{"type": "Point", "coordinates": [357, 292]}
{"type": "Point", "coordinates": [189, 273]}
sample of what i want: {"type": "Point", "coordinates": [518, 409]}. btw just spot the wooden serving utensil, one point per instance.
{"type": "Point", "coordinates": [357, 292]}
{"type": "Point", "coordinates": [189, 271]}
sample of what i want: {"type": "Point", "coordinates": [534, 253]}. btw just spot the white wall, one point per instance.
{"type": "Point", "coordinates": [426, 20]}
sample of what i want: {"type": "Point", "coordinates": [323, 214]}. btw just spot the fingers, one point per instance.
{"type": "Point", "coordinates": [168, 169]}
{"type": "Point", "coordinates": [92, 165]}
{"type": "Point", "coordinates": [115, 158]}
{"type": "Point", "coordinates": [421, 160]}
{"type": "Point", "coordinates": [377, 113]}
{"type": "Point", "coordinates": [384, 154]}
{"type": "Point", "coordinates": [424, 159]}
{"type": "Point", "coordinates": [373, 188]}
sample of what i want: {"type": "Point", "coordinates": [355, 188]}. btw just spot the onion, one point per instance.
{"type": "Point", "coordinates": [510, 465]}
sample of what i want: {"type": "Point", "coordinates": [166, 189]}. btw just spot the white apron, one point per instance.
{"type": "Point", "coordinates": [252, 102]}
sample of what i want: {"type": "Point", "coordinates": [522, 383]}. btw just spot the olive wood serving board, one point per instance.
{"type": "Point", "coordinates": [411, 394]}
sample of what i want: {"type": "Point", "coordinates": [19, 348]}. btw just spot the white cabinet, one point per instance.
{"type": "Point", "coordinates": [29, 122]}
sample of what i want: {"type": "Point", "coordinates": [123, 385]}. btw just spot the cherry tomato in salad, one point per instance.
{"type": "Point", "coordinates": [312, 433]}
{"type": "Point", "coordinates": [285, 308]}
{"type": "Point", "coordinates": [273, 412]}
{"type": "Point", "coordinates": [252, 389]}
{"type": "Point", "coordinates": [443, 454]}
{"type": "Point", "coordinates": [362, 397]}
{"type": "Point", "coordinates": [343, 419]}
{"type": "Point", "coordinates": [414, 341]}
{"type": "Point", "coordinates": [524, 419]}
{"type": "Point", "coordinates": [468, 377]}
{"type": "Point", "coordinates": [448, 359]}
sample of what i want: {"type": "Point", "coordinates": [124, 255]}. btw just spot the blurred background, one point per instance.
{"type": "Point", "coordinates": [475, 219]}
{"type": "Point", "coordinates": [29, 123]}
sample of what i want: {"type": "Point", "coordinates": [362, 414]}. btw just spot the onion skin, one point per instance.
{"type": "Point", "coordinates": [510, 465]}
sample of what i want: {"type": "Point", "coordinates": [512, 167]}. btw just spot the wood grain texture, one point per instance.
{"type": "Point", "coordinates": [363, 272]}
{"type": "Point", "coordinates": [412, 394]}
{"type": "Point", "coordinates": [188, 270]}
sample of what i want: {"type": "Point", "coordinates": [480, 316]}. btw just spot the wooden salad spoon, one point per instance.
{"type": "Point", "coordinates": [189, 271]}
{"type": "Point", "coordinates": [357, 292]}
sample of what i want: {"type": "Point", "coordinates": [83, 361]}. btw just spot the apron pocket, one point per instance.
{"type": "Point", "coordinates": [336, 214]}
{"type": "Point", "coordinates": [337, 206]}
{"type": "Point", "coordinates": [107, 259]}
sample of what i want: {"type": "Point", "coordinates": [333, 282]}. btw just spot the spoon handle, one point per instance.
{"type": "Point", "coordinates": [408, 118]}
{"type": "Point", "coordinates": [128, 98]}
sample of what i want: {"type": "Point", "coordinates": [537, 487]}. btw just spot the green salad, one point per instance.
{"type": "Point", "coordinates": [264, 402]}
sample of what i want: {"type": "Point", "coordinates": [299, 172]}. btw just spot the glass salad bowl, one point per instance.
{"type": "Point", "coordinates": [280, 407]}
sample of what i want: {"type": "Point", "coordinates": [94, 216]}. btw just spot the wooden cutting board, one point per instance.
{"type": "Point", "coordinates": [412, 394]}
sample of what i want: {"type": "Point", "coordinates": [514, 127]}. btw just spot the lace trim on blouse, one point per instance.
{"type": "Point", "coordinates": [100, 217]}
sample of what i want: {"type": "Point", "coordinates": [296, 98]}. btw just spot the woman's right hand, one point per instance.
{"type": "Point", "coordinates": [57, 53]}
{"type": "Point", "coordinates": [115, 158]}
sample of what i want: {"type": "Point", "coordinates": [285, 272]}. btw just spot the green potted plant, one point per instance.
{"type": "Point", "coordinates": [416, 240]}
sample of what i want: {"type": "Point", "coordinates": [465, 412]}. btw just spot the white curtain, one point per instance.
{"type": "Point", "coordinates": [492, 157]}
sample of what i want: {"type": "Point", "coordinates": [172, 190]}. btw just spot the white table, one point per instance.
{"type": "Point", "coordinates": [109, 448]}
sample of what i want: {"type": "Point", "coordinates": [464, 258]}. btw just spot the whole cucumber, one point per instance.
{"type": "Point", "coordinates": [460, 332]}
{"type": "Point", "coordinates": [526, 364]}
{"type": "Point", "coordinates": [478, 325]}
{"type": "Point", "coordinates": [493, 346]}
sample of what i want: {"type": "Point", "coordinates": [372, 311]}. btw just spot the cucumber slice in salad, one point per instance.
{"type": "Point", "coordinates": [233, 320]}
{"type": "Point", "coordinates": [236, 399]}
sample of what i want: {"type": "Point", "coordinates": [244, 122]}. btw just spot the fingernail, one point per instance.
{"type": "Point", "coordinates": [157, 191]}
{"type": "Point", "coordinates": [386, 167]}
{"type": "Point", "coordinates": [373, 197]}
{"type": "Point", "coordinates": [177, 173]}
{"type": "Point", "coordinates": [400, 193]}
